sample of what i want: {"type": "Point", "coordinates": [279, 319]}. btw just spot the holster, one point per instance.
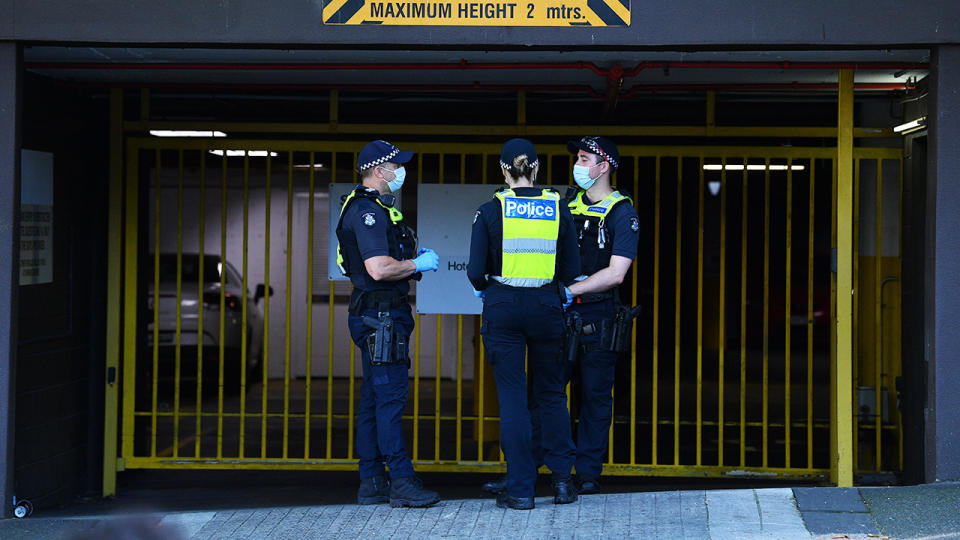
{"type": "Point", "coordinates": [573, 326]}
{"type": "Point", "coordinates": [385, 345]}
{"type": "Point", "coordinates": [615, 332]}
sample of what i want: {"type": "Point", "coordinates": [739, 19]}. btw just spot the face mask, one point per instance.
{"type": "Point", "coordinates": [581, 175]}
{"type": "Point", "coordinates": [397, 182]}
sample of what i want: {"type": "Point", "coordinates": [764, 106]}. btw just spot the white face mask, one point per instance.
{"type": "Point", "coordinates": [581, 175]}
{"type": "Point", "coordinates": [398, 177]}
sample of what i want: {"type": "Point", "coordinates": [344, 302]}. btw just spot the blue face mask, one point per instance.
{"type": "Point", "coordinates": [581, 175]}
{"type": "Point", "coordinates": [398, 176]}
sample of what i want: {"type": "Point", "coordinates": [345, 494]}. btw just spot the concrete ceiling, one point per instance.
{"type": "Point", "coordinates": [252, 67]}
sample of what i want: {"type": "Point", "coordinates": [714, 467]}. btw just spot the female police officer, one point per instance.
{"type": "Point", "coordinates": [523, 249]}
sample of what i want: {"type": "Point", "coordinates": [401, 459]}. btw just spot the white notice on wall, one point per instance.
{"type": "Point", "coordinates": [444, 220]}
{"type": "Point", "coordinates": [36, 218]}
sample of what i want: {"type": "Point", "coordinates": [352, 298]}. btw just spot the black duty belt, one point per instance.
{"type": "Point", "coordinates": [362, 300]}
{"type": "Point", "coordinates": [591, 298]}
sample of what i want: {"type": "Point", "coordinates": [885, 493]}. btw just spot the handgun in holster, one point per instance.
{"type": "Point", "coordinates": [620, 329]}
{"type": "Point", "coordinates": [573, 325]}
{"type": "Point", "coordinates": [383, 344]}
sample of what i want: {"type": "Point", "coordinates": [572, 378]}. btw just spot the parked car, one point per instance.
{"type": "Point", "coordinates": [191, 336]}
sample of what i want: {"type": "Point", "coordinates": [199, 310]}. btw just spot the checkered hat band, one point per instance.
{"type": "Point", "coordinates": [381, 160]}
{"type": "Point", "coordinates": [510, 167]}
{"type": "Point", "coordinates": [595, 148]}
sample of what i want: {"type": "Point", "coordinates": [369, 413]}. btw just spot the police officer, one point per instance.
{"type": "Point", "coordinates": [377, 252]}
{"type": "Point", "coordinates": [523, 249]}
{"type": "Point", "coordinates": [608, 232]}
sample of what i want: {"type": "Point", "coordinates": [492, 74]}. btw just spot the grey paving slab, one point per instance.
{"type": "Point", "coordinates": [839, 523]}
{"type": "Point", "coordinates": [432, 519]}
{"type": "Point", "coordinates": [693, 514]}
{"type": "Point", "coordinates": [642, 515]}
{"type": "Point", "coordinates": [616, 521]}
{"type": "Point", "coordinates": [488, 520]}
{"type": "Point", "coordinates": [288, 526]}
{"type": "Point", "coordinates": [324, 520]}
{"type": "Point", "coordinates": [382, 522]}
{"type": "Point", "coordinates": [448, 514]}
{"type": "Point", "coordinates": [540, 520]}
{"type": "Point", "coordinates": [265, 529]}
{"type": "Point", "coordinates": [409, 522]}
{"type": "Point", "coordinates": [228, 528]}
{"type": "Point", "coordinates": [667, 507]}
{"type": "Point", "coordinates": [186, 524]}
{"type": "Point", "coordinates": [931, 510]}
{"type": "Point", "coordinates": [247, 527]}
{"type": "Point", "coordinates": [513, 522]}
{"type": "Point", "coordinates": [829, 499]}
{"type": "Point", "coordinates": [565, 518]}
{"type": "Point", "coordinates": [214, 524]}
{"type": "Point", "coordinates": [350, 525]}
{"type": "Point", "coordinates": [733, 514]}
{"type": "Point", "coordinates": [466, 518]}
{"type": "Point", "coordinates": [778, 511]}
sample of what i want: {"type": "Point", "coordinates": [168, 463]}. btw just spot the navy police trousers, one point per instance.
{"type": "Point", "coordinates": [516, 321]}
{"type": "Point", "coordinates": [383, 398]}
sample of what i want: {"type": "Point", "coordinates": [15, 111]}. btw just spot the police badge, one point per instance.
{"type": "Point", "coordinates": [634, 224]}
{"type": "Point", "coordinates": [369, 220]}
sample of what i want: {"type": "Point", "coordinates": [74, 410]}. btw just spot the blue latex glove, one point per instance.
{"type": "Point", "coordinates": [479, 294]}
{"type": "Point", "coordinates": [427, 259]}
{"type": "Point", "coordinates": [569, 299]}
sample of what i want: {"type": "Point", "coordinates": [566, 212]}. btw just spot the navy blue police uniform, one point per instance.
{"type": "Point", "coordinates": [525, 319]}
{"type": "Point", "coordinates": [616, 233]}
{"type": "Point", "coordinates": [366, 230]}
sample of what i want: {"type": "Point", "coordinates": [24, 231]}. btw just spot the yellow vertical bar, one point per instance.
{"type": "Point", "coordinates": [676, 322]}
{"type": "Point", "coordinates": [156, 304]}
{"type": "Point", "coordinates": [309, 377]}
{"type": "Point", "coordinates": [855, 295]}
{"type": "Point", "coordinates": [352, 401]}
{"type": "Point", "coordinates": [266, 310]}
{"type": "Point", "coordinates": [416, 387]}
{"type": "Point", "coordinates": [722, 328]}
{"type": "Point", "coordinates": [766, 306]}
{"type": "Point", "coordinates": [436, 393]}
{"type": "Point", "coordinates": [114, 294]}
{"type": "Point", "coordinates": [700, 313]}
{"type": "Point", "coordinates": [131, 234]}
{"type": "Point", "coordinates": [459, 386]}
{"type": "Point", "coordinates": [834, 189]}
{"type": "Point", "coordinates": [633, 337]}
{"type": "Point", "coordinates": [243, 306]}
{"type": "Point", "coordinates": [878, 319]}
{"type": "Point", "coordinates": [223, 307]}
{"type": "Point", "coordinates": [286, 329]}
{"type": "Point", "coordinates": [810, 255]}
{"type": "Point", "coordinates": [330, 373]}
{"type": "Point", "coordinates": [841, 462]}
{"type": "Point", "coordinates": [201, 227]}
{"type": "Point", "coordinates": [654, 405]}
{"type": "Point", "coordinates": [744, 209]}
{"type": "Point", "coordinates": [178, 325]}
{"type": "Point", "coordinates": [788, 309]}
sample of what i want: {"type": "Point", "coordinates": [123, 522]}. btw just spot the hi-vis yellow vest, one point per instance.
{"type": "Point", "coordinates": [395, 218]}
{"type": "Point", "coordinates": [598, 210]}
{"type": "Point", "coordinates": [530, 229]}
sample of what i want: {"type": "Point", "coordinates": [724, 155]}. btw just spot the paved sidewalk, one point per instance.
{"type": "Point", "coordinates": [930, 512]}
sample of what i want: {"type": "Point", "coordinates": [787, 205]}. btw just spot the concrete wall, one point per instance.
{"type": "Point", "coordinates": [655, 23]}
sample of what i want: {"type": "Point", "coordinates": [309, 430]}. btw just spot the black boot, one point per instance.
{"type": "Point", "coordinates": [409, 491]}
{"type": "Point", "coordinates": [504, 500]}
{"type": "Point", "coordinates": [564, 491]}
{"type": "Point", "coordinates": [497, 486]}
{"type": "Point", "coordinates": [374, 490]}
{"type": "Point", "coordinates": [589, 485]}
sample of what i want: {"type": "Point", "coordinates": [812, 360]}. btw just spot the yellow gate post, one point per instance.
{"type": "Point", "coordinates": [114, 282]}
{"type": "Point", "coordinates": [841, 432]}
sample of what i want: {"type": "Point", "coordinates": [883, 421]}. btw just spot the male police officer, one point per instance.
{"type": "Point", "coordinates": [608, 230]}
{"type": "Point", "coordinates": [377, 252]}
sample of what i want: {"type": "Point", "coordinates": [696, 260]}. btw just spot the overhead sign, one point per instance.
{"type": "Point", "coordinates": [475, 13]}
{"type": "Point", "coordinates": [444, 224]}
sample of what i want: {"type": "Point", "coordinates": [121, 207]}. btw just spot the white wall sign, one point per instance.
{"type": "Point", "coordinates": [444, 221]}
{"type": "Point", "coordinates": [36, 217]}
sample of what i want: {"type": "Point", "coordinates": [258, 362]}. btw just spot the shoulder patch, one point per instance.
{"type": "Point", "coordinates": [634, 224]}
{"type": "Point", "coordinates": [476, 216]}
{"type": "Point", "coordinates": [369, 219]}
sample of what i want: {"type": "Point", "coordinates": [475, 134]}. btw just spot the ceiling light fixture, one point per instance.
{"type": "Point", "coordinates": [241, 153]}
{"type": "Point", "coordinates": [911, 126]}
{"type": "Point", "coordinates": [176, 133]}
{"type": "Point", "coordinates": [734, 167]}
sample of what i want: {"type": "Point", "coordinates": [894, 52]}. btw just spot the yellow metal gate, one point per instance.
{"type": "Point", "coordinates": [729, 371]}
